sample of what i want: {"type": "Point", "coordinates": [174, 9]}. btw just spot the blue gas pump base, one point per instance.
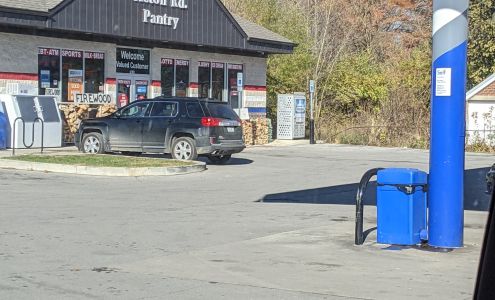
{"type": "Point", "coordinates": [401, 206]}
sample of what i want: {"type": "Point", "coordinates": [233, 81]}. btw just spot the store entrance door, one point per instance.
{"type": "Point", "coordinates": [132, 88]}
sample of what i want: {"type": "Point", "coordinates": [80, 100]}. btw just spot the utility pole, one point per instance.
{"type": "Point", "coordinates": [446, 181]}
{"type": "Point", "coordinates": [312, 117]}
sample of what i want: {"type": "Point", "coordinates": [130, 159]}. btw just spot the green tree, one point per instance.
{"type": "Point", "coordinates": [481, 41]}
{"type": "Point", "coordinates": [286, 73]}
{"type": "Point", "coordinates": [358, 83]}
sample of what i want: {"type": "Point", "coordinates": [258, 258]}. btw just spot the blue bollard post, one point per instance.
{"type": "Point", "coordinates": [449, 72]}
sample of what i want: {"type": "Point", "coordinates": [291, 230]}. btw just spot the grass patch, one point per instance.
{"type": "Point", "coordinates": [102, 161]}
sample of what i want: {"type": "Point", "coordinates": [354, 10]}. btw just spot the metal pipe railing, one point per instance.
{"type": "Point", "coordinates": [359, 233]}
{"type": "Point", "coordinates": [24, 134]}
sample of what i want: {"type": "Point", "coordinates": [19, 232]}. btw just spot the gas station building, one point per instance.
{"type": "Point", "coordinates": [131, 49]}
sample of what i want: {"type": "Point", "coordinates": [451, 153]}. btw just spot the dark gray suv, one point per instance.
{"type": "Point", "coordinates": [182, 127]}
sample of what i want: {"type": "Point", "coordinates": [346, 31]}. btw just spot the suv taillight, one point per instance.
{"type": "Point", "coordinates": [210, 122]}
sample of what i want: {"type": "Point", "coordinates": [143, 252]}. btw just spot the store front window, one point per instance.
{"type": "Point", "coordinates": [218, 80]}
{"type": "Point", "coordinates": [67, 72]}
{"type": "Point", "coordinates": [48, 70]}
{"type": "Point", "coordinates": [204, 79]}
{"type": "Point", "coordinates": [94, 72]}
{"type": "Point", "coordinates": [72, 74]}
{"type": "Point", "coordinates": [215, 78]}
{"type": "Point", "coordinates": [167, 77]}
{"type": "Point", "coordinates": [233, 70]}
{"type": "Point", "coordinates": [181, 78]}
{"type": "Point", "coordinates": [175, 77]}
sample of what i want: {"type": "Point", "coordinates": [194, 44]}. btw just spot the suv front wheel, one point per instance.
{"type": "Point", "coordinates": [93, 143]}
{"type": "Point", "coordinates": [184, 148]}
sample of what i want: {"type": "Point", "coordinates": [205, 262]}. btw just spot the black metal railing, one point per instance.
{"type": "Point", "coordinates": [24, 134]}
{"type": "Point", "coordinates": [359, 233]}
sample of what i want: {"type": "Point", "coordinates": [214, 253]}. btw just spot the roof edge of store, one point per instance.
{"type": "Point", "coordinates": [257, 39]}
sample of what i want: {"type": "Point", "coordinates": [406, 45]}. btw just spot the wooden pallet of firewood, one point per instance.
{"type": "Point", "coordinates": [261, 131]}
{"type": "Point", "coordinates": [248, 132]}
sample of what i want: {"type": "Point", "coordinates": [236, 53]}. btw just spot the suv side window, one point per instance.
{"type": "Point", "coordinates": [194, 110]}
{"type": "Point", "coordinates": [164, 109]}
{"type": "Point", "coordinates": [136, 111]}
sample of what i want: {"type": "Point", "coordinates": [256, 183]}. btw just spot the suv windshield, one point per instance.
{"type": "Point", "coordinates": [222, 111]}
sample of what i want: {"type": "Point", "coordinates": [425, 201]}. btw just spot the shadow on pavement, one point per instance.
{"type": "Point", "coordinates": [475, 197]}
{"type": "Point", "coordinates": [234, 161]}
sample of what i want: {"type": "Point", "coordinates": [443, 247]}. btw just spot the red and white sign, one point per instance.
{"type": "Point", "coordinates": [123, 99]}
{"type": "Point", "coordinates": [94, 55]}
{"type": "Point", "coordinates": [49, 51]}
{"type": "Point", "coordinates": [167, 62]}
{"type": "Point", "coordinates": [72, 53]}
{"type": "Point", "coordinates": [235, 67]}
{"type": "Point", "coordinates": [216, 65]}
{"type": "Point", "coordinates": [181, 62]}
{"type": "Point", "coordinates": [124, 81]}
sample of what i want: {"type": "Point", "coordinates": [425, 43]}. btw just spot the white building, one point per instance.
{"type": "Point", "coordinates": [480, 122]}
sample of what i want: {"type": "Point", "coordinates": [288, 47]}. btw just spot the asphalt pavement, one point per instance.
{"type": "Point", "coordinates": [276, 223]}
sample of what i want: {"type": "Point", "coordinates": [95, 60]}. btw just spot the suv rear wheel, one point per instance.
{"type": "Point", "coordinates": [93, 143]}
{"type": "Point", "coordinates": [184, 148]}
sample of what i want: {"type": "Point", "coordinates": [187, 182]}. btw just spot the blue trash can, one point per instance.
{"type": "Point", "coordinates": [401, 206]}
{"type": "Point", "coordinates": [3, 131]}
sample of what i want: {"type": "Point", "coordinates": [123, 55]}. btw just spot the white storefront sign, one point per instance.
{"type": "Point", "coordinates": [97, 99]}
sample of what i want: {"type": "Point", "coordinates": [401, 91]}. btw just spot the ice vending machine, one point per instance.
{"type": "Point", "coordinates": [291, 116]}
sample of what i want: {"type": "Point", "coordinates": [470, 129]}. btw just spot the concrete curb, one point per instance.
{"type": "Point", "coordinates": [102, 171]}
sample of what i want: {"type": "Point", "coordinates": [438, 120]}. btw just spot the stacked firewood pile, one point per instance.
{"type": "Point", "coordinates": [261, 131]}
{"type": "Point", "coordinates": [256, 131]}
{"type": "Point", "coordinates": [248, 132]}
{"type": "Point", "coordinates": [105, 110]}
{"type": "Point", "coordinates": [73, 114]}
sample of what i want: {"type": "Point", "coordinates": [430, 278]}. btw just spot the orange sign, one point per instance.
{"type": "Point", "coordinates": [74, 88]}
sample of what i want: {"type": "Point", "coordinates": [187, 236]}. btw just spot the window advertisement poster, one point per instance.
{"type": "Point", "coordinates": [141, 89]}
{"type": "Point", "coordinates": [75, 84]}
{"type": "Point", "coordinates": [45, 79]}
{"type": "Point", "coordinates": [300, 109]}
